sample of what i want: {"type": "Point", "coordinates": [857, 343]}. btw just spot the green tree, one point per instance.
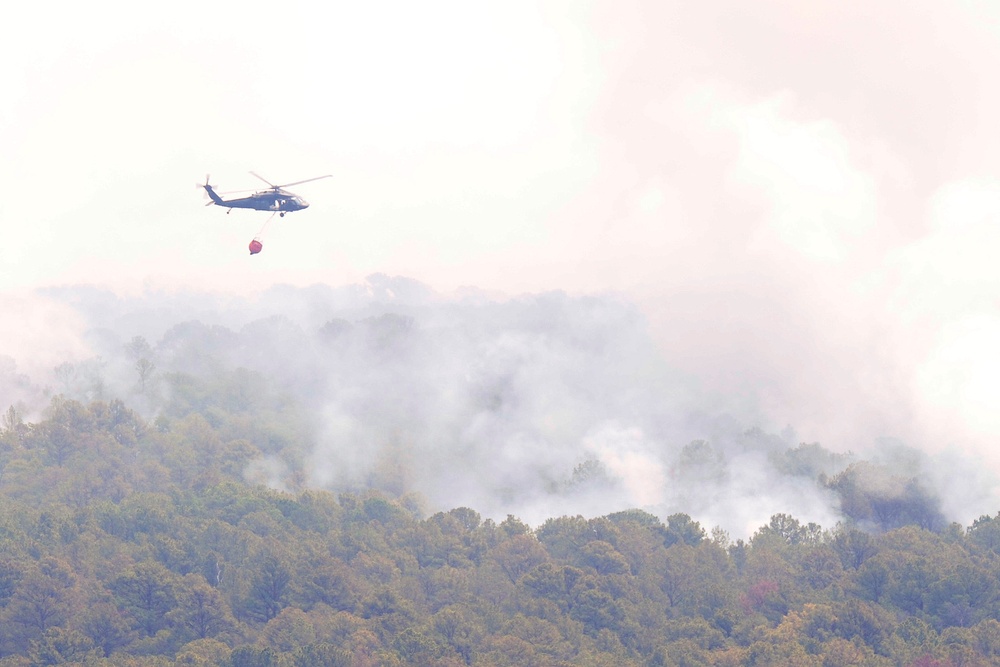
{"type": "Point", "coordinates": [417, 647]}
{"type": "Point", "coordinates": [986, 635]}
{"type": "Point", "coordinates": [872, 578]}
{"type": "Point", "coordinates": [604, 558]}
{"type": "Point", "coordinates": [59, 646]}
{"type": "Point", "coordinates": [681, 528]}
{"type": "Point", "coordinates": [563, 537]}
{"type": "Point", "coordinates": [985, 533]}
{"type": "Point", "coordinates": [332, 582]}
{"type": "Point", "coordinates": [148, 592]}
{"type": "Point", "coordinates": [12, 427]}
{"type": "Point", "coordinates": [203, 653]}
{"type": "Point", "coordinates": [858, 619]}
{"type": "Point", "coordinates": [595, 608]}
{"type": "Point", "coordinates": [461, 629]}
{"type": "Point", "coordinates": [553, 582]}
{"type": "Point", "coordinates": [201, 611]}
{"type": "Point", "coordinates": [144, 368]}
{"type": "Point", "coordinates": [269, 589]}
{"type": "Point", "coordinates": [10, 577]}
{"type": "Point", "coordinates": [321, 654]}
{"type": "Point", "coordinates": [518, 555]}
{"type": "Point", "coordinates": [290, 629]}
{"type": "Point", "coordinates": [853, 547]}
{"type": "Point", "coordinates": [43, 599]}
{"type": "Point", "coordinates": [788, 529]}
{"type": "Point", "coordinates": [251, 656]}
{"type": "Point", "coordinates": [106, 626]}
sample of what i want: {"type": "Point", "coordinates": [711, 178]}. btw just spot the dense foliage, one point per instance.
{"type": "Point", "coordinates": [132, 542]}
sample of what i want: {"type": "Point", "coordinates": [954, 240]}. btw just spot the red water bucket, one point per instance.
{"type": "Point", "coordinates": [255, 247]}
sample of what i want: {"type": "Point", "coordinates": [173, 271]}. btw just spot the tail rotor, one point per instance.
{"type": "Point", "coordinates": [205, 189]}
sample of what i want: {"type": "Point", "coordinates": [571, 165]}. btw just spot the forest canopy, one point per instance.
{"type": "Point", "coordinates": [331, 490]}
{"type": "Point", "coordinates": [127, 542]}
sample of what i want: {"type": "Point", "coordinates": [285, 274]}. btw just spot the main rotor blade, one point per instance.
{"type": "Point", "coordinates": [286, 185]}
{"type": "Point", "coordinates": [265, 180]}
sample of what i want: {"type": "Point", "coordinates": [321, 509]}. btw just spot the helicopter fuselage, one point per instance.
{"type": "Point", "coordinates": [266, 200]}
{"type": "Point", "coordinates": [285, 202]}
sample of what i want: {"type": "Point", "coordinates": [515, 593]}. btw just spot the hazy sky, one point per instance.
{"type": "Point", "coordinates": [801, 196]}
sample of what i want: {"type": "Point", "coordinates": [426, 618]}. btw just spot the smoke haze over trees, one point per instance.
{"type": "Point", "coordinates": [380, 474]}
{"type": "Point", "coordinates": [135, 543]}
{"type": "Point", "coordinates": [536, 406]}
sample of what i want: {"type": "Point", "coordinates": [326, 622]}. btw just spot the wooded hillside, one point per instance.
{"type": "Point", "coordinates": [127, 542]}
{"type": "Point", "coordinates": [350, 489]}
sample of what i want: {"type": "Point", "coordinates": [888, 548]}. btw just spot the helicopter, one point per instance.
{"type": "Point", "coordinates": [276, 199]}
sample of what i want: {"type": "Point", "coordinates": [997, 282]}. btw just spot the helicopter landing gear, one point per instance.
{"type": "Point", "coordinates": [282, 215]}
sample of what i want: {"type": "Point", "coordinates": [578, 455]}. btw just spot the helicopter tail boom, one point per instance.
{"type": "Point", "coordinates": [216, 199]}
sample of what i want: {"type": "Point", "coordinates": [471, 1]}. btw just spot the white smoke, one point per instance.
{"type": "Point", "coordinates": [538, 405]}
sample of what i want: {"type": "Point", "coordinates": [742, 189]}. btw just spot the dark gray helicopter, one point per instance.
{"type": "Point", "coordinates": [277, 199]}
